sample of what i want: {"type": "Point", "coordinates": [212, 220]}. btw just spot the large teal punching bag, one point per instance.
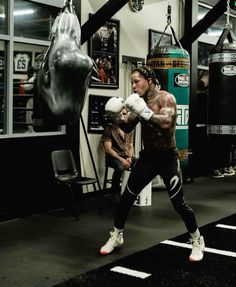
{"type": "Point", "coordinates": [172, 68]}
{"type": "Point", "coordinates": [221, 116]}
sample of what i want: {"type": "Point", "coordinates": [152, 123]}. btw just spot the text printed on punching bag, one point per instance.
{"type": "Point", "coordinates": [182, 116]}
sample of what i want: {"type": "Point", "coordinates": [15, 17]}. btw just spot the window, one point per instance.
{"type": "Point", "coordinates": [22, 46]}
{"type": "Point", "coordinates": [26, 61]}
{"type": "Point", "coordinates": [3, 18]}
{"type": "Point", "coordinates": [203, 54]}
{"type": "Point", "coordinates": [217, 28]}
{"type": "Point", "coordinates": [34, 15]}
{"type": "Point", "coordinates": [212, 34]}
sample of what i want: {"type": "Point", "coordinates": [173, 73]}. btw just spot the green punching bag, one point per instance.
{"type": "Point", "coordinates": [172, 68]}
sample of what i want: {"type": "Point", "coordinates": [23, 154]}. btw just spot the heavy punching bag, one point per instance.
{"type": "Point", "coordinates": [221, 116]}
{"type": "Point", "coordinates": [64, 75]}
{"type": "Point", "coordinates": [172, 67]}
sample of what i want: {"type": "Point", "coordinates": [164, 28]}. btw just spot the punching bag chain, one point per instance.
{"type": "Point", "coordinates": [169, 24]}
{"type": "Point", "coordinates": [168, 14]}
{"type": "Point", "coordinates": [228, 25]}
{"type": "Point", "coordinates": [227, 32]}
{"type": "Point", "coordinates": [67, 1]}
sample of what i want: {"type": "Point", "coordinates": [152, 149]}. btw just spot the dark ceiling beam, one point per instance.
{"type": "Point", "coordinates": [105, 13]}
{"type": "Point", "coordinates": [193, 33]}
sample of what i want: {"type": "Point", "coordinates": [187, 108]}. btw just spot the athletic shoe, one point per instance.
{"type": "Point", "coordinates": [197, 249]}
{"type": "Point", "coordinates": [115, 240]}
{"type": "Point", "coordinates": [216, 173]}
{"type": "Point", "coordinates": [228, 171]}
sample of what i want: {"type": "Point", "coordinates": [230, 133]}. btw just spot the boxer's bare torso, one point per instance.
{"type": "Point", "coordinates": [159, 131]}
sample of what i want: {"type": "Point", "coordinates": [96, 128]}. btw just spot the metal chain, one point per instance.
{"type": "Point", "coordinates": [169, 13]}
{"type": "Point", "coordinates": [228, 25]}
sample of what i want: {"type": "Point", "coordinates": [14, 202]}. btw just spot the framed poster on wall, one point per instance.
{"type": "Point", "coordinates": [96, 113]}
{"type": "Point", "coordinates": [155, 37]}
{"type": "Point", "coordinates": [104, 51]}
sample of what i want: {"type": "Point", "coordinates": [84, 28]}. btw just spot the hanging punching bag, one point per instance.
{"type": "Point", "coordinates": [221, 118]}
{"type": "Point", "coordinates": [172, 67]}
{"type": "Point", "coordinates": [64, 75]}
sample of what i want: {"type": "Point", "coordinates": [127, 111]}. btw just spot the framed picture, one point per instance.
{"type": "Point", "coordinates": [96, 114]}
{"type": "Point", "coordinates": [156, 36]}
{"type": "Point", "coordinates": [104, 51]}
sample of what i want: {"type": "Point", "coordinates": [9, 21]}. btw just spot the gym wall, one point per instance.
{"type": "Point", "coordinates": [134, 28]}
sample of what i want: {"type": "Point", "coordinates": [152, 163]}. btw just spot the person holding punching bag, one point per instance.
{"type": "Point", "coordinates": [156, 110]}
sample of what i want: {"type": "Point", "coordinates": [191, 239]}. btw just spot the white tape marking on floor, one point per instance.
{"type": "Point", "coordinates": [130, 272]}
{"type": "Point", "coordinates": [233, 227]}
{"type": "Point", "coordinates": [207, 249]}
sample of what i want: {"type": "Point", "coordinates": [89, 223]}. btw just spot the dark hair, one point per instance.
{"type": "Point", "coordinates": [146, 72]}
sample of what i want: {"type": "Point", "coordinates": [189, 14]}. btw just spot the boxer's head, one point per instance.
{"type": "Point", "coordinates": [141, 78]}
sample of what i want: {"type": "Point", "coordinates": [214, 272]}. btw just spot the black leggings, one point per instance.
{"type": "Point", "coordinates": [148, 166]}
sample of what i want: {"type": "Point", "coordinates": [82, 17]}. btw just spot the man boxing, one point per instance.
{"type": "Point", "coordinates": [156, 111]}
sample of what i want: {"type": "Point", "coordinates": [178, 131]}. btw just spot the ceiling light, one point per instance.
{"type": "Point", "coordinates": [20, 13]}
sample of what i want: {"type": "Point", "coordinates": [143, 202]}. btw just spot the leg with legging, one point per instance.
{"type": "Point", "coordinates": [141, 174]}
{"type": "Point", "coordinates": [172, 178]}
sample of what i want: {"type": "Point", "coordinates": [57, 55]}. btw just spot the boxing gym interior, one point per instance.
{"type": "Point", "coordinates": [51, 230]}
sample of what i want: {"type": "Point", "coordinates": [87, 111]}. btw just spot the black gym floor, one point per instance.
{"type": "Point", "coordinates": [46, 249]}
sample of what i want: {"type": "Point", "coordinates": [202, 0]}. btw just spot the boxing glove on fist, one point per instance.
{"type": "Point", "coordinates": [137, 105]}
{"type": "Point", "coordinates": [114, 106]}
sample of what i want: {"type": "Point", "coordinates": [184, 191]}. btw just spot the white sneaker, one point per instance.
{"type": "Point", "coordinates": [216, 173]}
{"type": "Point", "coordinates": [197, 249]}
{"type": "Point", "coordinates": [115, 240]}
{"type": "Point", "coordinates": [229, 171]}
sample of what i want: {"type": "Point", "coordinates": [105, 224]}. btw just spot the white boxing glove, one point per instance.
{"type": "Point", "coordinates": [114, 106]}
{"type": "Point", "coordinates": [137, 105]}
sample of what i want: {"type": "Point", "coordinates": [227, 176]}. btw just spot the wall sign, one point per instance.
{"type": "Point", "coordinates": [22, 61]}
